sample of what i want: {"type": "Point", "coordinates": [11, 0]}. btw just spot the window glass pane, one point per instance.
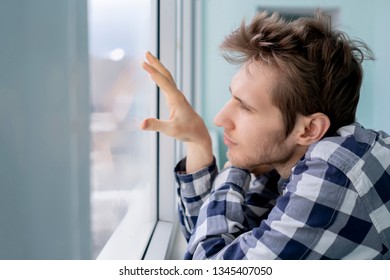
{"type": "Point", "coordinates": [123, 158]}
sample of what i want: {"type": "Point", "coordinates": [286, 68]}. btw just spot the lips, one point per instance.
{"type": "Point", "coordinates": [228, 141]}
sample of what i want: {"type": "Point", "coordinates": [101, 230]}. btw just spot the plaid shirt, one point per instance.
{"type": "Point", "coordinates": [335, 205]}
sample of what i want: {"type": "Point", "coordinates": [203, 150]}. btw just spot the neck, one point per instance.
{"type": "Point", "coordinates": [284, 169]}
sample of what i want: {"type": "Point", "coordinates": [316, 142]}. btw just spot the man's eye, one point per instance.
{"type": "Point", "coordinates": [243, 107]}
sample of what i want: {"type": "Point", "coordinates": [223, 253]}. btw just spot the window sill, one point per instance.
{"type": "Point", "coordinates": [159, 244]}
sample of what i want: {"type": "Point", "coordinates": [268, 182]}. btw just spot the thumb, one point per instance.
{"type": "Point", "coordinates": [153, 124]}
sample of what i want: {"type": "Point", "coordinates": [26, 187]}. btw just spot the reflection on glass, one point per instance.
{"type": "Point", "coordinates": [122, 157]}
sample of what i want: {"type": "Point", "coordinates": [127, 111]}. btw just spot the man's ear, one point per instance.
{"type": "Point", "coordinates": [312, 128]}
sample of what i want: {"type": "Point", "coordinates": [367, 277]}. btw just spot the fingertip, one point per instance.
{"type": "Point", "coordinates": [149, 124]}
{"type": "Point", "coordinates": [149, 56]}
{"type": "Point", "coordinates": [144, 124]}
{"type": "Point", "coordinates": [147, 67]}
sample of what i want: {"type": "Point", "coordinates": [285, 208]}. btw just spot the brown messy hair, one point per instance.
{"type": "Point", "coordinates": [319, 68]}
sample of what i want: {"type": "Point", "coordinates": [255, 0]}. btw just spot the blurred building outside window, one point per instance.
{"type": "Point", "coordinates": [123, 158]}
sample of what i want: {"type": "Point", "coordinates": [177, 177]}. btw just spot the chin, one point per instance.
{"type": "Point", "coordinates": [238, 162]}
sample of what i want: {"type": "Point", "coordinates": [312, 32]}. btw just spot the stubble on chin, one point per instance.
{"type": "Point", "coordinates": [271, 155]}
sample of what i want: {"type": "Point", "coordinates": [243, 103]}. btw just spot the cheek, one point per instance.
{"type": "Point", "coordinates": [255, 127]}
{"type": "Point", "coordinates": [247, 127]}
{"type": "Point", "coordinates": [255, 132]}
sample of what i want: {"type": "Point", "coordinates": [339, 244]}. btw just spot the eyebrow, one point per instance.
{"type": "Point", "coordinates": [250, 107]}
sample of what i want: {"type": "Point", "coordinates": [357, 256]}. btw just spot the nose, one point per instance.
{"type": "Point", "coordinates": [223, 118]}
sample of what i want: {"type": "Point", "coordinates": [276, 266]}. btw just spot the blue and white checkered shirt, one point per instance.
{"type": "Point", "coordinates": [335, 205]}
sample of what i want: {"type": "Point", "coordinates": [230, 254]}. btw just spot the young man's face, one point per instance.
{"type": "Point", "coordinates": [253, 126]}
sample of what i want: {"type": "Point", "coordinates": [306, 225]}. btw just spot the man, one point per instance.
{"type": "Point", "coordinates": [304, 180]}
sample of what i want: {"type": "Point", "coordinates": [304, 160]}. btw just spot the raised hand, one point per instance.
{"type": "Point", "coordinates": [184, 123]}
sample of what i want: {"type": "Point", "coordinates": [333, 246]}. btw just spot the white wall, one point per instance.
{"type": "Point", "coordinates": [381, 69]}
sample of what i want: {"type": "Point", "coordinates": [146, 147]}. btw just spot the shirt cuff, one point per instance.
{"type": "Point", "coordinates": [196, 183]}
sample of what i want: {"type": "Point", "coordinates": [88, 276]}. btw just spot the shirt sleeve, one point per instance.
{"type": "Point", "coordinates": [292, 229]}
{"type": "Point", "coordinates": [192, 191]}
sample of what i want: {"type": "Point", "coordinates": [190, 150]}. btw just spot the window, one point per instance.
{"type": "Point", "coordinates": [123, 158]}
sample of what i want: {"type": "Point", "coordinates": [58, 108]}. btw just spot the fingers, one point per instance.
{"type": "Point", "coordinates": [179, 108]}
{"type": "Point", "coordinates": [153, 61]}
{"type": "Point", "coordinates": [161, 80]}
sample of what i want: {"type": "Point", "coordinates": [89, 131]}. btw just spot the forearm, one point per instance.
{"type": "Point", "coordinates": [199, 154]}
{"type": "Point", "coordinates": [192, 190]}
{"type": "Point", "coordinates": [222, 215]}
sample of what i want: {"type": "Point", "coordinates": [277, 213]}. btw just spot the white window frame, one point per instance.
{"type": "Point", "coordinates": [160, 240]}
{"type": "Point", "coordinates": [176, 52]}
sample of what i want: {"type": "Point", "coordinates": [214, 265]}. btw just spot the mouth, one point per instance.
{"type": "Point", "coordinates": [228, 141]}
